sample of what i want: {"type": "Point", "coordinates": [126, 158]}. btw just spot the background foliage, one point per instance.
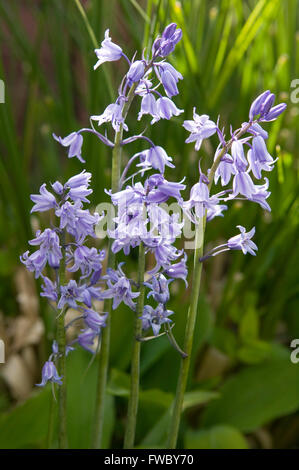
{"type": "Point", "coordinates": [243, 391]}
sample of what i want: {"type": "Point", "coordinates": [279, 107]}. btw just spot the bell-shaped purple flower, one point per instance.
{"type": "Point", "coordinates": [166, 109]}
{"type": "Point", "coordinates": [156, 157]}
{"type": "Point", "coordinates": [238, 155]}
{"type": "Point", "coordinates": [113, 114]}
{"type": "Point", "coordinates": [74, 141]}
{"type": "Point", "coordinates": [49, 289]}
{"type": "Point", "coordinates": [136, 71]}
{"type": "Point", "coordinates": [159, 288]}
{"type": "Point", "coordinates": [82, 179]}
{"type": "Point", "coordinates": [155, 318]}
{"type": "Point", "coordinates": [50, 374]}
{"type": "Point", "coordinates": [49, 246]}
{"type": "Point", "coordinates": [94, 320]}
{"type": "Point", "coordinates": [200, 128]}
{"type": "Point", "coordinates": [243, 184]}
{"type": "Point", "coordinates": [148, 106]}
{"type": "Point", "coordinates": [109, 51]}
{"type": "Point", "coordinates": [243, 241]}
{"type": "Point", "coordinates": [86, 339]}
{"type": "Point", "coordinates": [43, 201]}
{"type": "Point", "coordinates": [70, 295]}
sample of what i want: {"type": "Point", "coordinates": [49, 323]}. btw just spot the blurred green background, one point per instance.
{"type": "Point", "coordinates": [243, 390]}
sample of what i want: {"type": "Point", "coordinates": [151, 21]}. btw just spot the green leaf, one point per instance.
{"type": "Point", "coordinates": [257, 395]}
{"type": "Point", "coordinates": [217, 437]}
{"type": "Point", "coordinates": [27, 424]}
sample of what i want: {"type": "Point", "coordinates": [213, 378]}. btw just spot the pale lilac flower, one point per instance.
{"type": "Point", "coordinates": [159, 288]}
{"type": "Point", "coordinates": [243, 184]}
{"type": "Point", "coordinates": [82, 179]}
{"type": "Point", "coordinates": [136, 71]}
{"type": "Point", "coordinates": [155, 318]}
{"type": "Point", "coordinates": [166, 109]}
{"type": "Point", "coordinates": [238, 155]}
{"type": "Point", "coordinates": [109, 52]}
{"type": "Point", "coordinates": [87, 260]}
{"type": "Point", "coordinates": [148, 106]}
{"type": "Point", "coordinates": [200, 128]}
{"type": "Point", "coordinates": [70, 295]}
{"type": "Point", "coordinates": [166, 44]}
{"type": "Point", "coordinates": [50, 374]}
{"type": "Point", "coordinates": [43, 201]}
{"type": "Point", "coordinates": [156, 157]}
{"type": "Point", "coordinates": [113, 114]}
{"type": "Point", "coordinates": [86, 339]}
{"type": "Point", "coordinates": [49, 246]}
{"type": "Point", "coordinates": [119, 288]}
{"type": "Point", "coordinates": [224, 170]}
{"type": "Point", "coordinates": [74, 141]}
{"type": "Point", "coordinates": [94, 320]}
{"type": "Point", "coordinates": [49, 289]}
{"type": "Point", "coordinates": [243, 241]}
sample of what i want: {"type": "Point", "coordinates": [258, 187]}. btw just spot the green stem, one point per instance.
{"type": "Point", "coordinates": [135, 367]}
{"type": "Point", "coordinates": [62, 434]}
{"type": "Point", "coordinates": [192, 312]}
{"type": "Point", "coordinates": [61, 342]}
{"type": "Point", "coordinates": [51, 422]}
{"type": "Point", "coordinates": [105, 341]}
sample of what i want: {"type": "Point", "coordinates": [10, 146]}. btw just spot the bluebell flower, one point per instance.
{"type": "Point", "coordinates": [119, 288]}
{"type": "Point", "coordinates": [82, 179]}
{"type": "Point", "coordinates": [155, 318]}
{"type": "Point", "coordinates": [77, 221]}
{"type": "Point", "coordinates": [57, 187]}
{"type": "Point", "coordinates": [148, 106]}
{"type": "Point", "coordinates": [238, 155]}
{"type": "Point", "coordinates": [136, 71]}
{"type": "Point", "coordinates": [43, 201]}
{"type": "Point", "coordinates": [70, 295]}
{"type": "Point", "coordinates": [35, 262]}
{"type": "Point", "coordinates": [108, 52]}
{"type": "Point", "coordinates": [49, 289]}
{"type": "Point", "coordinates": [86, 339]}
{"type": "Point", "coordinates": [50, 374]}
{"type": "Point", "coordinates": [74, 141]}
{"type": "Point", "coordinates": [166, 44]}
{"type": "Point", "coordinates": [113, 114]}
{"type": "Point", "coordinates": [166, 109]}
{"type": "Point", "coordinates": [243, 241]}
{"type": "Point", "coordinates": [156, 157]}
{"type": "Point", "coordinates": [201, 128]}
{"type": "Point", "coordinates": [243, 184]}
{"type": "Point", "coordinates": [87, 260]}
{"type": "Point", "coordinates": [159, 288]}
{"type": "Point", "coordinates": [224, 170]}
{"type": "Point", "coordinates": [178, 270]}
{"type": "Point", "coordinates": [262, 108]}
{"type": "Point", "coordinates": [49, 246]}
{"type": "Point", "coordinates": [94, 320]}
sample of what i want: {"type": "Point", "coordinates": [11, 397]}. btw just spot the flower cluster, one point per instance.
{"type": "Point", "coordinates": [142, 212]}
{"type": "Point", "coordinates": [64, 245]}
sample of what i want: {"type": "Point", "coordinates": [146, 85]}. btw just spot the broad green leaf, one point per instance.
{"type": "Point", "coordinates": [257, 395]}
{"type": "Point", "coordinates": [217, 437]}
{"type": "Point", "coordinates": [27, 424]}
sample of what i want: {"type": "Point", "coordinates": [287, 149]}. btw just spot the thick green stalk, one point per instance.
{"type": "Point", "coordinates": [135, 367]}
{"type": "Point", "coordinates": [105, 340]}
{"type": "Point", "coordinates": [192, 312]}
